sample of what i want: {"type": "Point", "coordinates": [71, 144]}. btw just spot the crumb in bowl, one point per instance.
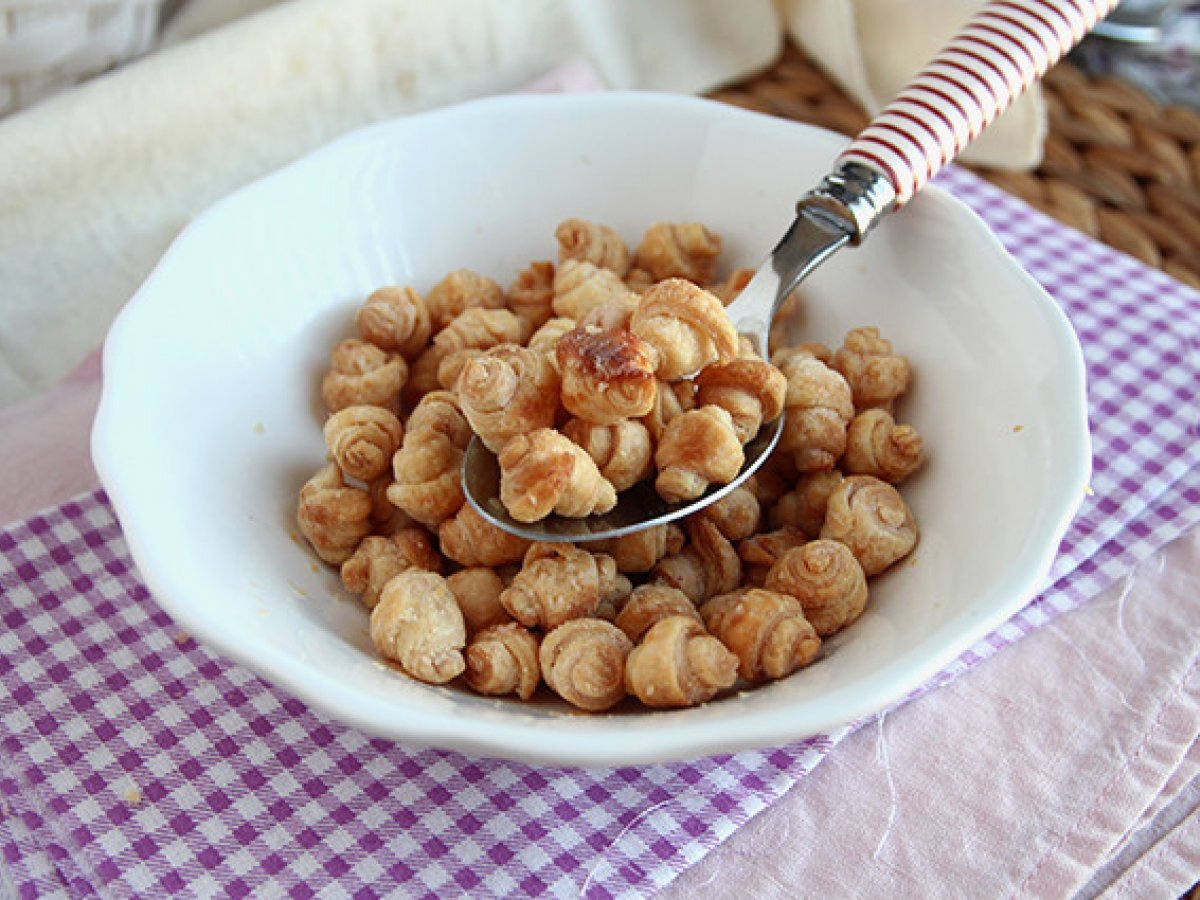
{"type": "Point", "coordinates": [608, 367]}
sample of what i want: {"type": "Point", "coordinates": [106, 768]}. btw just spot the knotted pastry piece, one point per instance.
{"type": "Point", "coordinates": [804, 506]}
{"type": "Point", "coordinates": [468, 333]}
{"type": "Point", "coordinates": [639, 551]}
{"type": "Point", "coordinates": [458, 291]}
{"type": "Point", "coordinates": [580, 287]}
{"type": "Point", "coordinates": [687, 328]}
{"type": "Point", "coordinates": [428, 466]}
{"type": "Point", "coordinates": [333, 517]}
{"type": "Point", "coordinates": [767, 631]}
{"type": "Point", "coordinates": [698, 448]}
{"type": "Point", "coordinates": [362, 440]}
{"type": "Point", "coordinates": [876, 445]}
{"type": "Point", "coordinates": [531, 297]}
{"type": "Point", "coordinates": [607, 376]}
{"type": "Point", "coordinates": [546, 338]}
{"type": "Point", "coordinates": [477, 590]}
{"type": "Point", "coordinates": [736, 515]}
{"type": "Point", "coordinates": [707, 565]}
{"type": "Point", "coordinates": [623, 451]}
{"type": "Point", "coordinates": [678, 664]}
{"type": "Point", "coordinates": [679, 250]}
{"type": "Point", "coordinates": [827, 580]}
{"type": "Point", "coordinates": [395, 318]}
{"type": "Point", "coordinates": [670, 400]}
{"type": "Point", "coordinates": [546, 472]}
{"type": "Point", "coordinates": [591, 242]}
{"type": "Point", "coordinates": [379, 559]}
{"type": "Point", "coordinates": [871, 518]}
{"type": "Point", "coordinates": [818, 407]}
{"type": "Point", "coordinates": [417, 624]}
{"type": "Point", "coordinates": [751, 390]}
{"type": "Point", "coordinates": [612, 315]}
{"type": "Point", "coordinates": [760, 552]}
{"type": "Point", "coordinates": [559, 582]}
{"type": "Point", "coordinates": [583, 661]}
{"type": "Point", "coordinates": [503, 659]}
{"type": "Point", "coordinates": [651, 603]}
{"type": "Point", "coordinates": [508, 391]}
{"type": "Point", "coordinates": [363, 374]}
{"type": "Point", "coordinates": [471, 540]}
{"type": "Point", "coordinates": [876, 375]}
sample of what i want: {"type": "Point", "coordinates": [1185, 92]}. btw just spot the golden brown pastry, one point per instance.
{"type": "Point", "coordinates": [333, 517]}
{"type": "Point", "coordinates": [428, 466]}
{"type": "Point", "coordinates": [531, 296]}
{"type": "Point", "coordinates": [707, 565]}
{"type": "Point", "coordinates": [607, 376]}
{"type": "Point", "coordinates": [736, 515]}
{"type": "Point", "coordinates": [471, 540]}
{"type": "Point", "coordinates": [751, 390]}
{"type": "Point", "coordinates": [508, 391]}
{"type": "Point", "coordinates": [422, 376]}
{"type": "Point", "coordinates": [876, 445]}
{"type": "Point", "coordinates": [362, 440]}
{"type": "Point", "coordinates": [580, 287]}
{"type": "Point", "coordinates": [686, 327]}
{"type": "Point", "coordinates": [804, 506]}
{"type": "Point", "coordinates": [395, 318]}
{"type": "Point", "coordinates": [477, 590]}
{"type": "Point", "coordinates": [459, 291]}
{"type": "Point", "coordinates": [639, 281]}
{"type": "Point", "coordinates": [546, 338]}
{"type": "Point", "coordinates": [767, 632]}
{"type": "Point", "coordinates": [698, 448]}
{"type": "Point", "coordinates": [386, 517]}
{"type": "Point", "coordinates": [590, 242]}
{"type": "Point", "coordinates": [379, 559]}
{"type": "Point", "coordinates": [418, 625]}
{"type": "Point", "coordinates": [818, 409]}
{"type": "Point", "coordinates": [827, 580]}
{"type": "Point", "coordinates": [583, 661]}
{"type": "Point", "coordinates": [639, 551]}
{"type": "Point", "coordinates": [545, 472]}
{"type": "Point", "coordinates": [876, 375]}
{"type": "Point", "coordinates": [651, 603]}
{"type": "Point", "coordinates": [363, 374]}
{"type": "Point", "coordinates": [728, 290]}
{"type": "Point", "coordinates": [679, 250]}
{"type": "Point", "coordinates": [679, 664]}
{"type": "Point", "coordinates": [671, 399]}
{"type": "Point", "coordinates": [559, 582]}
{"type": "Point", "coordinates": [622, 451]}
{"type": "Point", "coordinates": [761, 551]}
{"type": "Point", "coordinates": [871, 518]}
{"type": "Point", "coordinates": [612, 315]}
{"type": "Point", "coordinates": [503, 659]}
{"type": "Point", "coordinates": [467, 334]}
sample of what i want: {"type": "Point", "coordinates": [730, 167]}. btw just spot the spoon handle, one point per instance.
{"type": "Point", "coordinates": [1002, 50]}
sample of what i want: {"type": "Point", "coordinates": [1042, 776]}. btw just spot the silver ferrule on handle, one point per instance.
{"type": "Point", "coordinates": [854, 194]}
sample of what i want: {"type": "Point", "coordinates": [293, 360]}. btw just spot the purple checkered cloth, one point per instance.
{"type": "Point", "coordinates": [136, 763]}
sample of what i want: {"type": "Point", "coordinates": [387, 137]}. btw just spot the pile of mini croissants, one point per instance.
{"type": "Point", "coordinates": [587, 376]}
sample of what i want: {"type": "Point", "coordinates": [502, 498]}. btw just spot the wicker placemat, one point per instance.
{"type": "Point", "coordinates": [1117, 165]}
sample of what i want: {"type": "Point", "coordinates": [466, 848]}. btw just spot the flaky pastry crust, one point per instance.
{"type": "Point", "coordinates": [686, 327]}
{"type": "Point", "coordinates": [818, 407]}
{"type": "Point", "coordinates": [428, 467]}
{"type": "Point", "coordinates": [459, 291]}
{"type": "Point", "coordinates": [471, 540]}
{"type": "Point", "coordinates": [583, 661]}
{"type": "Point", "coordinates": [361, 373]}
{"type": "Point", "coordinates": [503, 659]}
{"type": "Point", "coordinates": [679, 250]}
{"type": "Point", "coordinates": [395, 318]}
{"type": "Point", "coordinates": [508, 391]}
{"type": "Point", "coordinates": [871, 518]}
{"type": "Point", "coordinates": [639, 551]}
{"type": "Point", "coordinates": [876, 445]}
{"type": "Point", "coordinates": [623, 451]}
{"type": "Point", "coordinates": [477, 590]}
{"type": "Point", "coordinates": [559, 582]}
{"type": "Point", "coordinates": [417, 624]}
{"type": "Point", "coordinates": [767, 631]}
{"type": "Point", "coordinates": [678, 664]}
{"type": "Point", "coordinates": [707, 564]}
{"type": "Point", "coordinates": [607, 376]}
{"type": "Point", "coordinates": [545, 472]}
{"type": "Point", "coordinates": [584, 241]}
{"type": "Point", "coordinates": [751, 390]}
{"type": "Point", "coordinates": [378, 559]}
{"type": "Point", "coordinates": [651, 603]}
{"type": "Point", "coordinates": [362, 440]}
{"type": "Point", "coordinates": [333, 517]}
{"type": "Point", "coordinates": [827, 580]}
{"type": "Point", "coordinates": [698, 448]}
{"type": "Point", "coordinates": [580, 287]}
{"type": "Point", "coordinates": [531, 296]}
{"type": "Point", "coordinates": [876, 375]}
{"type": "Point", "coordinates": [804, 506]}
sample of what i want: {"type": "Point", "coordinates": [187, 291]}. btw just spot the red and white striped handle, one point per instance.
{"type": "Point", "coordinates": [999, 53]}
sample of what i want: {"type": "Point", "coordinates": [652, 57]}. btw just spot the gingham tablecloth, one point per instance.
{"type": "Point", "coordinates": [135, 763]}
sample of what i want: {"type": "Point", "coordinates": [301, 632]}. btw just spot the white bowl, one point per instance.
{"type": "Point", "coordinates": [210, 419]}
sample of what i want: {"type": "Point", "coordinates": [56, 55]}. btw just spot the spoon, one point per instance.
{"type": "Point", "coordinates": [996, 56]}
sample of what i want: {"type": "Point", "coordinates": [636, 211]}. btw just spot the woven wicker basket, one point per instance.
{"type": "Point", "coordinates": [47, 45]}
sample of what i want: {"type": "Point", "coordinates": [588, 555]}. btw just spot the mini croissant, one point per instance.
{"type": "Point", "coordinates": [471, 540]}
{"type": "Point", "coordinates": [818, 408]}
{"type": "Point", "coordinates": [508, 391]}
{"type": "Point", "coordinates": [871, 518]}
{"type": "Point", "coordinates": [427, 468]}
{"type": "Point", "coordinates": [651, 603]}
{"type": "Point", "coordinates": [607, 376]}
{"type": "Point", "coordinates": [670, 400]}
{"type": "Point", "coordinates": [827, 580]}
{"type": "Point", "coordinates": [622, 451]}
{"type": "Point", "coordinates": [468, 333]}
{"type": "Point", "coordinates": [876, 445]}
{"type": "Point", "coordinates": [379, 559]}
{"type": "Point", "coordinates": [395, 318]}
{"type": "Point", "coordinates": [767, 631]}
{"type": "Point", "coordinates": [639, 551]}
{"type": "Point", "coordinates": [545, 472]}
{"type": "Point", "coordinates": [580, 287]}
{"type": "Point", "coordinates": [707, 565]}
{"type": "Point", "coordinates": [590, 242]}
{"type": "Point", "coordinates": [698, 448]}
{"type": "Point", "coordinates": [583, 661]}
{"type": "Point", "coordinates": [459, 291]}
{"type": "Point", "coordinates": [531, 296]}
{"type": "Point", "coordinates": [417, 623]}
{"type": "Point", "coordinates": [761, 551]}
{"type": "Point", "coordinates": [679, 664]}
{"type": "Point", "coordinates": [804, 506]}
{"type": "Point", "coordinates": [876, 375]}
{"type": "Point", "coordinates": [503, 659]}
{"type": "Point", "coordinates": [333, 516]}
{"type": "Point", "coordinates": [558, 582]}
{"type": "Point", "coordinates": [361, 373]}
{"type": "Point", "coordinates": [751, 390]}
{"type": "Point", "coordinates": [477, 590]}
{"type": "Point", "coordinates": [362, 440]}
{"type": "Point", "coordinates": [679, 250]}
{"type": "Point", "coordinates": [687, 328]}
{"type": "Point", "coordinates": [547, 336]}
{"type": "Point", "coordinates": [736, 515]}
